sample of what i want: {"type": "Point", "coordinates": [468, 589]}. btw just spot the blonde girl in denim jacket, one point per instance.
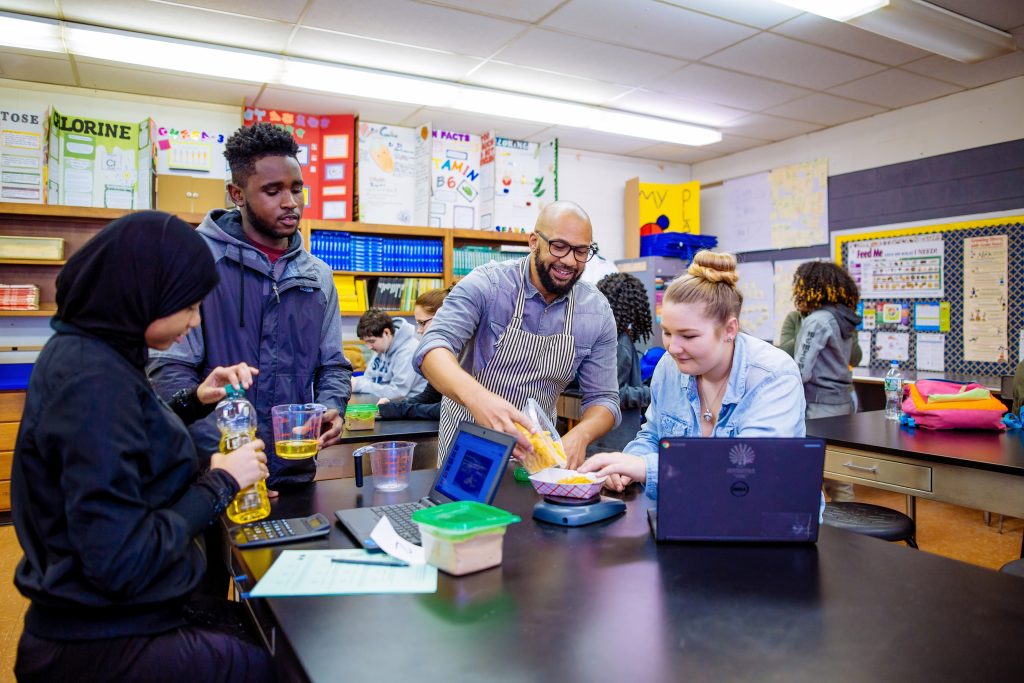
{"type": "Point", "coordinates": [715, 381]}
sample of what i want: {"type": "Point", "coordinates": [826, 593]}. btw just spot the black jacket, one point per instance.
{"type": "Point", "coordinates": [106, 497]}
{"type": "Point", "coordinates": [425, 405]}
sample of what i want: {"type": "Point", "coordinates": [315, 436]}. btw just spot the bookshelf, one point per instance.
{"type": "Point", "coordinates": [76, 225]}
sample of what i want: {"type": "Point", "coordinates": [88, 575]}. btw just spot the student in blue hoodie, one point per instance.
{"type": "Point", "coordinates": [390, 373]}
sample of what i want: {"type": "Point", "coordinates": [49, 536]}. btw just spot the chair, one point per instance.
{"type": "Point", "coordinates": [1015, 567]}
{"type": "Point", "coordinates": [871, 520]}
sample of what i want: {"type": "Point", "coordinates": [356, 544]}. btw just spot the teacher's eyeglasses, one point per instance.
{"type": "Point", "coordinates": [559, 248]}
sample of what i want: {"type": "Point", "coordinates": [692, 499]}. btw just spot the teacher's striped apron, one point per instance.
{"type": "Point", "coordinates": [525, 366]}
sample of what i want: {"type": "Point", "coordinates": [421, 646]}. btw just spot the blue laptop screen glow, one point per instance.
{"type": "Point", "coordinates": [471, 468]}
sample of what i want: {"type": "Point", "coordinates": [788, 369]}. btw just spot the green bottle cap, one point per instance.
{"type": "Point", "coordinates": [234, 392]}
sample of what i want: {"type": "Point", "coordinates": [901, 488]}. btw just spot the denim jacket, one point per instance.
{"type": "Point", "coordinates": [764, 398]}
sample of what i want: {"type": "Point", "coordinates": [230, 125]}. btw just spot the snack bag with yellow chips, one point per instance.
{"type": "Point", "coordinates": [547, 445]}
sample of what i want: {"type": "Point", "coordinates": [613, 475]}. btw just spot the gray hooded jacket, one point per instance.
{"type": "Point", "coordinates": [282, 318]}
{"type": "Point", "coordinates": [823, 353]}
{"type": "Point", "coordinates": [391, 374]}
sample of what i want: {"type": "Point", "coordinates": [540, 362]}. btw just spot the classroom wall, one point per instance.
{"type": "Point", "coordinates": [975, 118]}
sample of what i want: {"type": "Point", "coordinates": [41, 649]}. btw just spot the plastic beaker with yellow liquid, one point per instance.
{"type": "Point", "coordinates": [297, 429]}
{"type": "Point", "coordinates": [236, 419]}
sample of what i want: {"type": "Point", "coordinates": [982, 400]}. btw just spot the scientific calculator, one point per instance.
{"type": "Point", "coordinates": [273, 531]}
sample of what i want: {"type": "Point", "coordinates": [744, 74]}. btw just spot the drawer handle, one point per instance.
{"type": "Point", "coordinates": [873, 469]}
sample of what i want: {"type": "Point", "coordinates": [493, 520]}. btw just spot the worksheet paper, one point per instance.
{"type": "Point", "coordinates": [757, 285]}
{"type": "Point", "coordinates": [313, 572]}
{"type": "Point", "coordinates": [985, 299]}
{"type": "Point", "coordinates": [864, 339]}
{"type": "Point", "coordinates": [931, 352]}
{"type": "Point", "coordinates": [892, 345]}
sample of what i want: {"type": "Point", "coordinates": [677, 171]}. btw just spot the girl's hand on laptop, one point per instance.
{"type": "Point", "coordinates": [621, 469]}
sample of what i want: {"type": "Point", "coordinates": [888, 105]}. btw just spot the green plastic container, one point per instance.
{"type": "Point", "coordinates": [463, 537]}
{"type": "Point", "coordinates": [361, 409]}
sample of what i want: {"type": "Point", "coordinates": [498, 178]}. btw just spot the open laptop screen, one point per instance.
{"type": "Point", "coordinates": [472, 469]}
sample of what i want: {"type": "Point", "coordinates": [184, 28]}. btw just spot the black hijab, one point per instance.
{"type": "Point", "coordinates": [140, 268]}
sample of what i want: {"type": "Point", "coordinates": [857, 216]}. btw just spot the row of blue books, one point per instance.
{"type": "Point", "coordinates": [370, 253]}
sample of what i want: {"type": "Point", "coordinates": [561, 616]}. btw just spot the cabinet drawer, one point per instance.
{"type": "Point", "coordinates": [12, 403]}
{"type": "Point", "coordinates": [8, 435]}
{"type": "Point", "coordinates": [6, 458]}
{"type": "Point", "coordinates": [879, 469]}
{"type": "Point", "coordinates": [5, 495]}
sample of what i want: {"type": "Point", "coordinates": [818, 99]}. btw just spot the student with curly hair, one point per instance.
{"type": "Point", "coordinates": [276, 307]}
{"type": "Point", "coordinates": [632, 311]}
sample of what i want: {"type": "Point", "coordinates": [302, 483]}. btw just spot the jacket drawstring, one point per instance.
{"type": "Point", "coordinates": [241, 288]}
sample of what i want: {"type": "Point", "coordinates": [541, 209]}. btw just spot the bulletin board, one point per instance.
{"type": "Point", "coordinates": [953, 235]}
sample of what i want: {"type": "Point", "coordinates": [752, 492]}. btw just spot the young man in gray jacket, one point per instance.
{"type": "Point", "coordinates": [275, 307]}
{"type": "Point", "coordinates": [390, 373]}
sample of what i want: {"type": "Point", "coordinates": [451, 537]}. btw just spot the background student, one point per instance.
{"type": "Point", "coordinates": [425, 405]}
{"type": "Point", "coordinates": [714, 381]}
{"type": "Point", "coordinates": [108, 499]}
{"type": "Point", "coordinates": [628, 299]}
{"type": "Point", "coordinates": [389, 373]}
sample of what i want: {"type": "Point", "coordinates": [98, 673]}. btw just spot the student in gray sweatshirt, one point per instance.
{"type": "Point", "coordinates": [390, 373]}
{"type": "Point", "coordinates": [828, 295]}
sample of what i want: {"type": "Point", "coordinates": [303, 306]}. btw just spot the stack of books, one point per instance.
{"type": "Point", "coordinates": [351, 294]}
{"type": "Point", "coordinates": [19, 298]}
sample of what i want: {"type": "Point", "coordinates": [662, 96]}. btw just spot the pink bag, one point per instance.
{"type": "Point", "coordinates": [986, 413]}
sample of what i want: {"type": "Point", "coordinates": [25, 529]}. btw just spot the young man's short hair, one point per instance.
{"type": "Point", "coordinates": [249, 145]}
{"type": "Point", "coordinates": [373, 323]}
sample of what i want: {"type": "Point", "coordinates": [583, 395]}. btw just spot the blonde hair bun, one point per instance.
{"type": "Point", "coordinates": [713, 266]}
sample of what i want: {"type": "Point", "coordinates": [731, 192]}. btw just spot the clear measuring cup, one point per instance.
{"type": "Point", "coordinates": [390, 464]}
{"type": "Point", "coordinates": [297, 429]}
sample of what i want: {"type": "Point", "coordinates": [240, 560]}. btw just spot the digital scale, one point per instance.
{"type": "Point", "coordinates": [577, 511]}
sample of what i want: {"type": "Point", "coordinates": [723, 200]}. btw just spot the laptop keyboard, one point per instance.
{"type": "Point", "coordinates": [400, 517]}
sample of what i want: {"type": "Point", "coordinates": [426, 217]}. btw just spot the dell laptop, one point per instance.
{"type": "Point", "coordinates": [472, 471]}
{"type": "Point", "coordinates": [744, 489]}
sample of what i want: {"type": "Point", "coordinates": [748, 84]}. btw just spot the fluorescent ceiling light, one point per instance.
{"type": "Point", "coordinates": [257, 67]}
{"type": "Point", "coordinates": [170, 54]}
{"type": "Point", "coordinates": [30, 33]}
{"type": "Point", "coordinates": [839, 10]}
{"type": "Point", "coordinates": [937, 30]}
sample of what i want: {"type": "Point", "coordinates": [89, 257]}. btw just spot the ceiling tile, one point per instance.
{"type": "Point", "coordinates": [412, 23]}
{"type": "Point", "coordinates": [180, 22]}
{"type": "Point", "coordinates": [587, 58]}
{"type": "Point", "coordinates": [594, 141]}
{"type": "Point", "coordinates": [377, 54]}
{"type": "Point", "coordinates": [750, 12]}
{"type": "Point", "coordinates": [970, 75]}
{"type": "Point", "coordinates": [32, 66]}
{"type": "Point", "coordinates": [524, 10]}
{"type": "Point", "coordinates": [670, 107]}
{"type": "Point", "coordinates": [725, 87]}
{"type": "Point", "coordinates": [162, 84]}
{"type": "Point", "coordinates": [895, 88]}
{"type": "Point", "coordinates": [292, 99]}
{"type": "Point", "coordinates": [649, 25]}
{"type": "Point", "coordinates": [731, 144]}
{"type": "Point", "coordinates": [824, 109]}
{"type": "Point", "coordinates": [793, 62]}
{"type": "Point", "coordinates": [676, 154]}
{"type": "Point", "coordinates": [849, 39]}
{"type": "Point", "coordinates": [39, 8]}
{"type": "Point", "coordinates": [1000, 14]}
{"type": "Point", "coordinates": [476, 124]}
{"type": "Point", "coordinates": [545, 83]}
{"type": "Point", "coordinates": [766, 127]}
{"type": "Point", "coordinates": [287, 11]}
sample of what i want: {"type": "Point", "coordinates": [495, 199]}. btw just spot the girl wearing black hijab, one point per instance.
{"type": "Point", "coordinates": [107, 497]}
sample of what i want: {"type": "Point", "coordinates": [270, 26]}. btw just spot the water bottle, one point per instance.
{"type": "Point", "coordinates": [236, 419]}
{"type": "Point", "coordinates": [893, 392]}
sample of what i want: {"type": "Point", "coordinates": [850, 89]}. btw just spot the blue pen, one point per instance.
{"type": "Point", "coordinates": [375, 563]}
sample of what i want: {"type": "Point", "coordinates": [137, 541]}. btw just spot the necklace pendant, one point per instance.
{"type": "Point", "coordinates": [707, 415]}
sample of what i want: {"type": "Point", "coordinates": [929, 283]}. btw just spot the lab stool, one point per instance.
{"type": "Point", "coordinates": [871, 520]}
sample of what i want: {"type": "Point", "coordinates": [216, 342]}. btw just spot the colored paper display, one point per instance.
{"type": "Point", "coordinates": [455, 200]}
{"type": "Point", "coordinates": [892, 345]}
{"type": "Point", "coordinates": [669, 208]}
{"type": "Point", "coordinates": [904, 267]}
{"type": "Point", "coordinates": [518, 179]}
{"type": "Point", "coordinates": [99, 163]}
{"type": "Point", "coordinates": [985, 299]}
{"type": "Point", "coordinates": [394, 173]}
{"type": "Point", "coordinates": [757, 283]}
{"type": "Point", "coordinates": [22, 137]}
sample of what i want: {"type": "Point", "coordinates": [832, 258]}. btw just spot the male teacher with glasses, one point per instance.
{"type": "Point", "coordinates": [524, 329]}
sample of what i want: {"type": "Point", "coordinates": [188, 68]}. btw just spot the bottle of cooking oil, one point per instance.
{"type": "Point", "coordinates": [236, 419]}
